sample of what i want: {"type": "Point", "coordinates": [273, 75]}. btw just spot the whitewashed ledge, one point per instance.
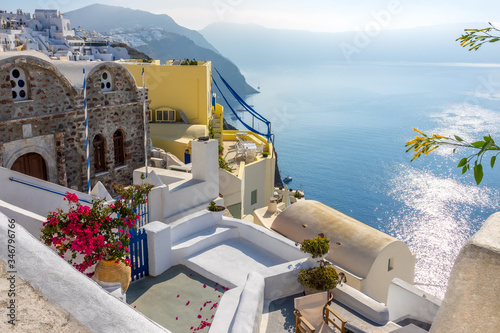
{"type": "Point", "coordinates": [64, 286]}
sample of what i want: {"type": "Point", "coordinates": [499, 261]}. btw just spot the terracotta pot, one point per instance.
{"type": "Point", "coordinates": [110, 271]}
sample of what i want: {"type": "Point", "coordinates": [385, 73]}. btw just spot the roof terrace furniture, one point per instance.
{"type": "Point", "coordinates": [309, 315]}
{"type": "Point", "coordinates": [240, 136]}
{"type": "Point", "coordinates": [240, 149]}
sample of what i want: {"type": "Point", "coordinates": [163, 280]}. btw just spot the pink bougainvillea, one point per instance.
{"type": "Point", "coordinates": [98, 232]}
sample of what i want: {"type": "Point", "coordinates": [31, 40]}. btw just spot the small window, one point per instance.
{"type": "Point", "coordinates": [119, 151]}
{"type": "Point", "coordinates": [99, 154]}
{"type": "Point", "coordinates": [253, 199]}
{"type": "Point", "coordinates": [166, 116]}
{"type": "Point", "coordinates": [19, 86]}
{"type": "Point", "coordinates": [390, 264]}
{"type": "Point", "coordinates": [106, 82]}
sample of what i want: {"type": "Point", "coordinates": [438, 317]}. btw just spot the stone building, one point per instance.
{"type": "Point", "coordinates": [42, 122]}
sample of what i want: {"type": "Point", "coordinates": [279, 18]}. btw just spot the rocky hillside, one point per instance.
{"type": "Point", "coordinates": [158, 36]}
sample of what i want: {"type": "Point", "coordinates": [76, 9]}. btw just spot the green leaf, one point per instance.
{"type": "Point", "coordinates": [458, 138]}
{"type": "Point", "coordinates": [493, 160]}
{"type": "Point", "coordinates": [464, 169]}
{"type": "Point", "coordinates": [478, 144]}
{"type": "Point", "coordinates": [462, 162]}
{"type": "Point", "coordinates": [478, 173]}
{"type": "Point", "coordinates": [494, 40]}
{"type": "Point", "coordinates": [487, 138]}
{"type": "Point", "coordinates": [454, 150]}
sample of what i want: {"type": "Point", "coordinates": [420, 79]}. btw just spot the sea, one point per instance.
{"type": "Point", "coordinates": [340, 132]}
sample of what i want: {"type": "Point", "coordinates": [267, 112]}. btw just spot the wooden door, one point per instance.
{"type": "Point", "coordinates": [31, 164]}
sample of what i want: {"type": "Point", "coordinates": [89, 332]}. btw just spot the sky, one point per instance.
{"type": "Point", "coordinates": [311, 15]}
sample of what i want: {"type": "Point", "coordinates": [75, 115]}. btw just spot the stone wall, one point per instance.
{"type": "Point", "coordinates": [56, 107]}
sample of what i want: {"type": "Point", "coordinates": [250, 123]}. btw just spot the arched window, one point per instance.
{"type": "Point", "coordinates": [19, 84]}
{"type": "Point", "coordinates": [99, 154]}
{"type": "Point", "coordinates": [119, 151]}
{"type": "Point", "coordinates": [106, 82]}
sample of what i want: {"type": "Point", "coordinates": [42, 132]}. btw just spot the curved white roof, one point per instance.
{"type": "Point", "coordinates": [354, 246]}
{"type": "Point", "coordinates": [72, 70]}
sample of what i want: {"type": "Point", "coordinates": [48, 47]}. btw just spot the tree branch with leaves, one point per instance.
{"type": "Point", "coordinates": [475, 38]}
{"type": "Point", "coordinates": [424, 144]}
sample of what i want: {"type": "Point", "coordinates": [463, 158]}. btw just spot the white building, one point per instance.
{"type": "Point", "coordinates": [369, 258]}
{"type": "Point", "coordinates": [50, 32]}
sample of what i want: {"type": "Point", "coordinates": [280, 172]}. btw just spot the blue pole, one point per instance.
{"type": "Point", "coordinates": [86, 127]}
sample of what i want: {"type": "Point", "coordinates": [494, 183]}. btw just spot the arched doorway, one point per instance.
{"type": "Point", "coordinates": [31, 164]}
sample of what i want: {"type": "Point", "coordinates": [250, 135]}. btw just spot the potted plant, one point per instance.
{"type": "Point", "coordinates": [217, 211]}
{"type": "Point", "coordinates": [324, 276]}
{"type": "Point", "coordinates": [297, 194]}
{"type": "Point", "coordinates": [99, 234]}
{"type": "Point", "coordinates": [316, 247]}
{"type": "Point", "coordinates": [265, 154]}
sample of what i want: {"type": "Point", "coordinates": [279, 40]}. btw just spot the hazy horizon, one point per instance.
{"type": "Point", "coordinates": [315, 15]}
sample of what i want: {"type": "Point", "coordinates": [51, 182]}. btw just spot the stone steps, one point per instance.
{"type": "Point", "coordinates": [194, 243]}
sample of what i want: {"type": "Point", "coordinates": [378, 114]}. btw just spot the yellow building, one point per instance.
{"type": "Point", "coordinates": [181, 102]}
{"type": "Point", "coordinates": [181, 109]}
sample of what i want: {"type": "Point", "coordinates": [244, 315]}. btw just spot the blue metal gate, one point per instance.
{"type": "Point", "coordinates": [139, 244]}
{"type": "Point", "coordinates": [139, 253]}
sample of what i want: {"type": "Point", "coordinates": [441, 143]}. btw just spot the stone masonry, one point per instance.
{"type": "Point", "coordinates": [54, 110]}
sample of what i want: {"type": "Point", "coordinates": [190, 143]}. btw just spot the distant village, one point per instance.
{"type": "Point", "coordinates": [49, 32]}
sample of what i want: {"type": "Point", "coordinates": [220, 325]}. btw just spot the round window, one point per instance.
{"type": "Point", "coordinates": [18, 83]}
{"type": "Point", "coordinates": [106, 82]}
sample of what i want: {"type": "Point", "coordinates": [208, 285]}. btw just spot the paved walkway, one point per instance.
{"type": "Point", "coordinates": [280, 318]}
{"type": "Point", "coordinates": [179, 299]}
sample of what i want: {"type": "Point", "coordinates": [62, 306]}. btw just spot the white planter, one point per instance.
{"type": "Point", "coordinates": [218, 215]}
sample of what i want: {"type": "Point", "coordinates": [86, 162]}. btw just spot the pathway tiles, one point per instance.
{"type": "Point", "coordinates": [281, 318]}
{"type": "Point", "coordinates": [179, 299]}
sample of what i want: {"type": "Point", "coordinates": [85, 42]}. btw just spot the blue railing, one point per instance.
{"type": "Point", "coordinates": [12, 179]}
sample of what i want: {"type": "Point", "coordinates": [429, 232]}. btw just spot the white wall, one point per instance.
{"type": "Point", "coordinates": [249, 312]}
{"type": "Point", "coordinates": [405, 299]}
{"type": "Point", "coordinates": [230, 187]}
{"type": "Point", "coordinates": [33, 199]}
{"type": "Point", "coordinates": [257, 176]}
{"type": "Point", "coordinates": [61, 284]}
{"type": "Point", "coordinates": [192, 191]}
{"type": "Point", "coordinates": [376, 284]}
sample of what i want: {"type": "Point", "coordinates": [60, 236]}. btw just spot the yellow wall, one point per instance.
{"type": "Point", "coordinates": [186, 88]}
{"type": "Point", "coordinates": [174, 138]}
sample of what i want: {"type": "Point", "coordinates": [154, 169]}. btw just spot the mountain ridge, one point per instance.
{"type": "Point", "coordinates": [426, 44]}
{"type": "Point", "coordinates": [158, 36]}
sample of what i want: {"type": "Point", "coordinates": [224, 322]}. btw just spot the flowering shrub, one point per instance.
{"type": "Point", "coordinates": [99, 232]}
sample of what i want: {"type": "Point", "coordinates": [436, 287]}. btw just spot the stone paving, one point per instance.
{"type": "Point", "coordinates": [179, 299]}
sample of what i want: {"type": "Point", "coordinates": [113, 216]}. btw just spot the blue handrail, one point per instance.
{"type": "Point", "coordinates": [12, 179]}
{"type": "Point", "coordinates": [245, 105]}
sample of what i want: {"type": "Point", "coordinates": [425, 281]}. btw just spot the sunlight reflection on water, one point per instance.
{"type": "Point", "coordinates": [436, 219]}
{"type": "Point", "coordinates": [465, 120]}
